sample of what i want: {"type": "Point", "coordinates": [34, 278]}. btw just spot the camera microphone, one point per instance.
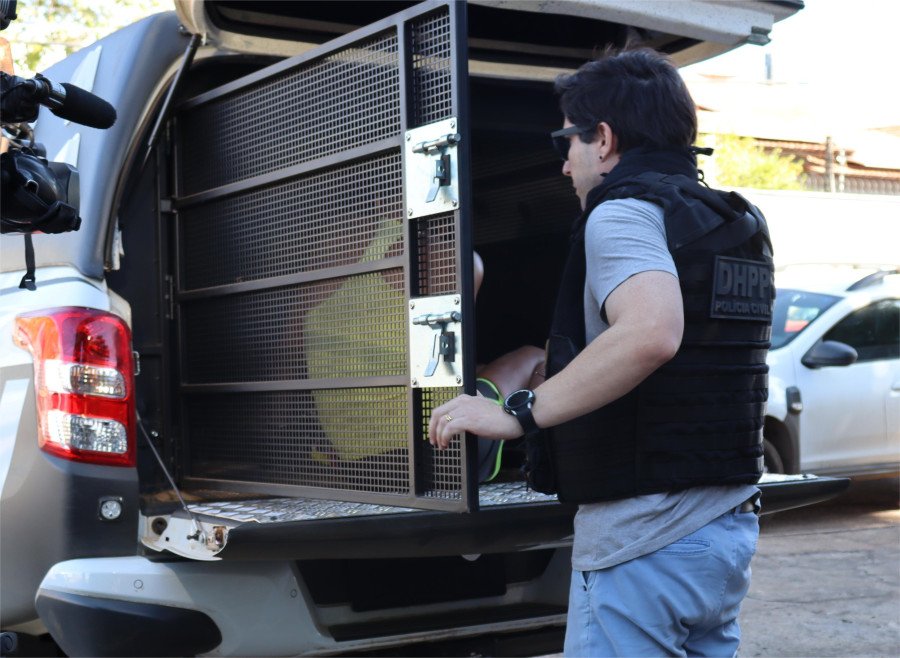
{"type": "Point", "coordinates": [65, 101]}
{"type": "Point", "coordinates": [73, 103]}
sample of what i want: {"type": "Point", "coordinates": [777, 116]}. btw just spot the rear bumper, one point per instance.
{"type": "Point", "coordinates": [249, 608]}
{"type": "Point", "coordinates": [125, 628]}
{"type": "Point", "coordinates": [124, 606]}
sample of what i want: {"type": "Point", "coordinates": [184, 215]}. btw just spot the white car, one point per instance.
{"type": "Point", "coordinates": [834, 378]}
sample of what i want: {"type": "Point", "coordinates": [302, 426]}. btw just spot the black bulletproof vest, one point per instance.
{"type": "Point", "coordinates": [698, 419]}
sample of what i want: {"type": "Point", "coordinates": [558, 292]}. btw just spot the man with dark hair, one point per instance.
{"type": "Point", "coordinates": [652, 412]}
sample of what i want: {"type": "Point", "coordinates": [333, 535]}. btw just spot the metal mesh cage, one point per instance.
{"type": "Point", "coordinates": [342, 327]}
{"type": "Point", "coordinates": [292, 296]}
{"type": "Point", "coordinates": [303, 438]}
{"type": "Point", "coordinates": [348, 98]}
{"type": "Point", "coordinates": [436, 255]}
{"type": "Point", "coordinates": [442, 472]}
{"type": "Point", "coordinates": [325, 219]}
{"type": "Point", "coordinates": [430, 43]}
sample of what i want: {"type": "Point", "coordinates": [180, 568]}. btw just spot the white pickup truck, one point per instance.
{"type": "Point", "coordinates": [211, 426]}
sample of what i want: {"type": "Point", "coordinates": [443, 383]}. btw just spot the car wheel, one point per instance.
{"type": "Point", "coordinates": [772, 462]}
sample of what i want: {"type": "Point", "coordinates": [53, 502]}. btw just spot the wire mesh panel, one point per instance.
{"type": "Point", "coordinates": [325, 219]}
{"type": "Point", "coordinates": [303, 438]}
{"type": "Point", "coordinates": [436, 255]}
{"type": "Point", "coordinates": [430, 42]}
{"type": "Point", "coordinates": [442, 469]}
{"type": "Point", "coordinates": [341, 327]}
{"type": "Point", "coordinates": [296, 261]}
{"type": "Point", "coordinates": [345, 99]}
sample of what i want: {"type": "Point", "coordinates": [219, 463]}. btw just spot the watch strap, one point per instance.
{"type": "Point", "coordinates": [522, 412]}
{"type": "Point", "coordinates": [526, 419]}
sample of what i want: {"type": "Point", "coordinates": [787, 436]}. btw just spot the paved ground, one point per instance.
{"type": "Point", "coordinates": [826, 579]}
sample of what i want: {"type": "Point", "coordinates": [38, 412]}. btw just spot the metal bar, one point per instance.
{"type": "Point", "coordinates": [295, 171]}
{"type": "Point", "coordinates": [296, 384]}
{"type": "Point", "coordinates": [166, 110]}
{"type": "Point", "coordinates": [163, 417]}
{"type": "Point", "coordinates": [459, 80]}
{"type": "Point", "coordinates": [179, 410]}
{"type": "Point", "coordinates": [363, 267]}
{"type": "Point", "coordinates": [413, 400]}
{"type": "Point", "coordinates": [450, 139]}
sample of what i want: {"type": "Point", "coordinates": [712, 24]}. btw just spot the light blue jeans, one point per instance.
{"type": "Point", "coordinates": [682, 600]}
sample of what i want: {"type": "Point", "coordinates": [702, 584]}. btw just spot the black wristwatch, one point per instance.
{"type": "Point", "coordinates": [519, 404]}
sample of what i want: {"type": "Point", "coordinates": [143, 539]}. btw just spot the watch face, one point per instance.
{"type": "Point", "coordinates": [520, 399]}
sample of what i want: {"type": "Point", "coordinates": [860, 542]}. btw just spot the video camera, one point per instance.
{"type": "Point", "coordinates": [39, 196]}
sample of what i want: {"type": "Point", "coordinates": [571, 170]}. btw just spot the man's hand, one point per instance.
{"type": "Point", "coordinates": [646, 325]}
{"type": "Point", "coordinates": [468, 413]}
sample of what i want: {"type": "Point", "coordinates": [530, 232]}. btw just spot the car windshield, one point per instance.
{"type": "Point", "coordinates": [795, 310]}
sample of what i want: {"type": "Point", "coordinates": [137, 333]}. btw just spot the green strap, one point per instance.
{"type": "Point", "coordinates": [489, 390]}
{"type": "Point", "coordinates": [492, 388]}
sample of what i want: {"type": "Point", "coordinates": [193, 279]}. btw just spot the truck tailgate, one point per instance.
{"type": "Point", "coordinates": [510, 518]}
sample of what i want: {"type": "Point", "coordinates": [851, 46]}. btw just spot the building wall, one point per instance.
{"type": "Point", "coordinates": [821, 227]}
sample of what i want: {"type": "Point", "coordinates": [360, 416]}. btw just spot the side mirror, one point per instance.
{"type": "Point", "coordinates": [829, 353]}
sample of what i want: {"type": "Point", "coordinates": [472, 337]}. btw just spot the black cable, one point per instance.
{"type": "Point", "coordinates": [28, 281]}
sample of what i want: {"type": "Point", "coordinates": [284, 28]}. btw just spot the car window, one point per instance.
{"type": "Point", "coordinates": [873, 331]}
{"type": "Point", "coordinates": [794, 311]}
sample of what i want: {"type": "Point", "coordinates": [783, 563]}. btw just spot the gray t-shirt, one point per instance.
{"type": "Point", "coordinates": [623, 238]}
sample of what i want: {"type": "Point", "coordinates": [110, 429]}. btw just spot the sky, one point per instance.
{"type": "Point", "coordinates": [844, 50]}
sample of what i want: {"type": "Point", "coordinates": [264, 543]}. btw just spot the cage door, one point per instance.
{"type": "Point", "coordinates": [301, 245]}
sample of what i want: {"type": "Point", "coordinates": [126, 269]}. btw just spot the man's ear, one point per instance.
{"type": "Point", "coordinates": [607, 139]}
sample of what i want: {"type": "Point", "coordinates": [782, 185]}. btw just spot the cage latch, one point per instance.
{"type": "Point", "coordinates": [429, 146]}
{"type": "Point", "coordinates": [444, 347]}
{"type": "Point", "coordinates": [441, 177]}
{"type": "Point", "coordinates": [431, 169]}
{"type": "Point", "coordinates": [435, 341]}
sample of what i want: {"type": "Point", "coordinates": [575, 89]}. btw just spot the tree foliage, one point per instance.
{"type": "Point", "coordinates": [741, 162]}
{"type": "Point", "coordinates": [46, 31]}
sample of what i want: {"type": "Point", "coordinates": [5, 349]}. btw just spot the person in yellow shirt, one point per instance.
{"type": "Point", "coordinates": [357, 331]}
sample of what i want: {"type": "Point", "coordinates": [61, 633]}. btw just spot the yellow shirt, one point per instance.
{"type": "Point", "coordinates": [360, 331]}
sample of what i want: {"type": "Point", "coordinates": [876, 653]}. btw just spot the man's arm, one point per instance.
{"type": "Point", "coordinates": [646, 321]}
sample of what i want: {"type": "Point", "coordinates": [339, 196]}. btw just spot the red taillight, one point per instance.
{"type": "Point", "coordinates": [84, 380]}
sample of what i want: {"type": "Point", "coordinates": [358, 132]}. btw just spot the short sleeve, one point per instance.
{"type": "Point", "coordinates": [623, 237]}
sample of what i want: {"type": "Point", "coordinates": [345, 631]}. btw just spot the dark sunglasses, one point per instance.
{"type": "Point", "coordinates": [561, 139]}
